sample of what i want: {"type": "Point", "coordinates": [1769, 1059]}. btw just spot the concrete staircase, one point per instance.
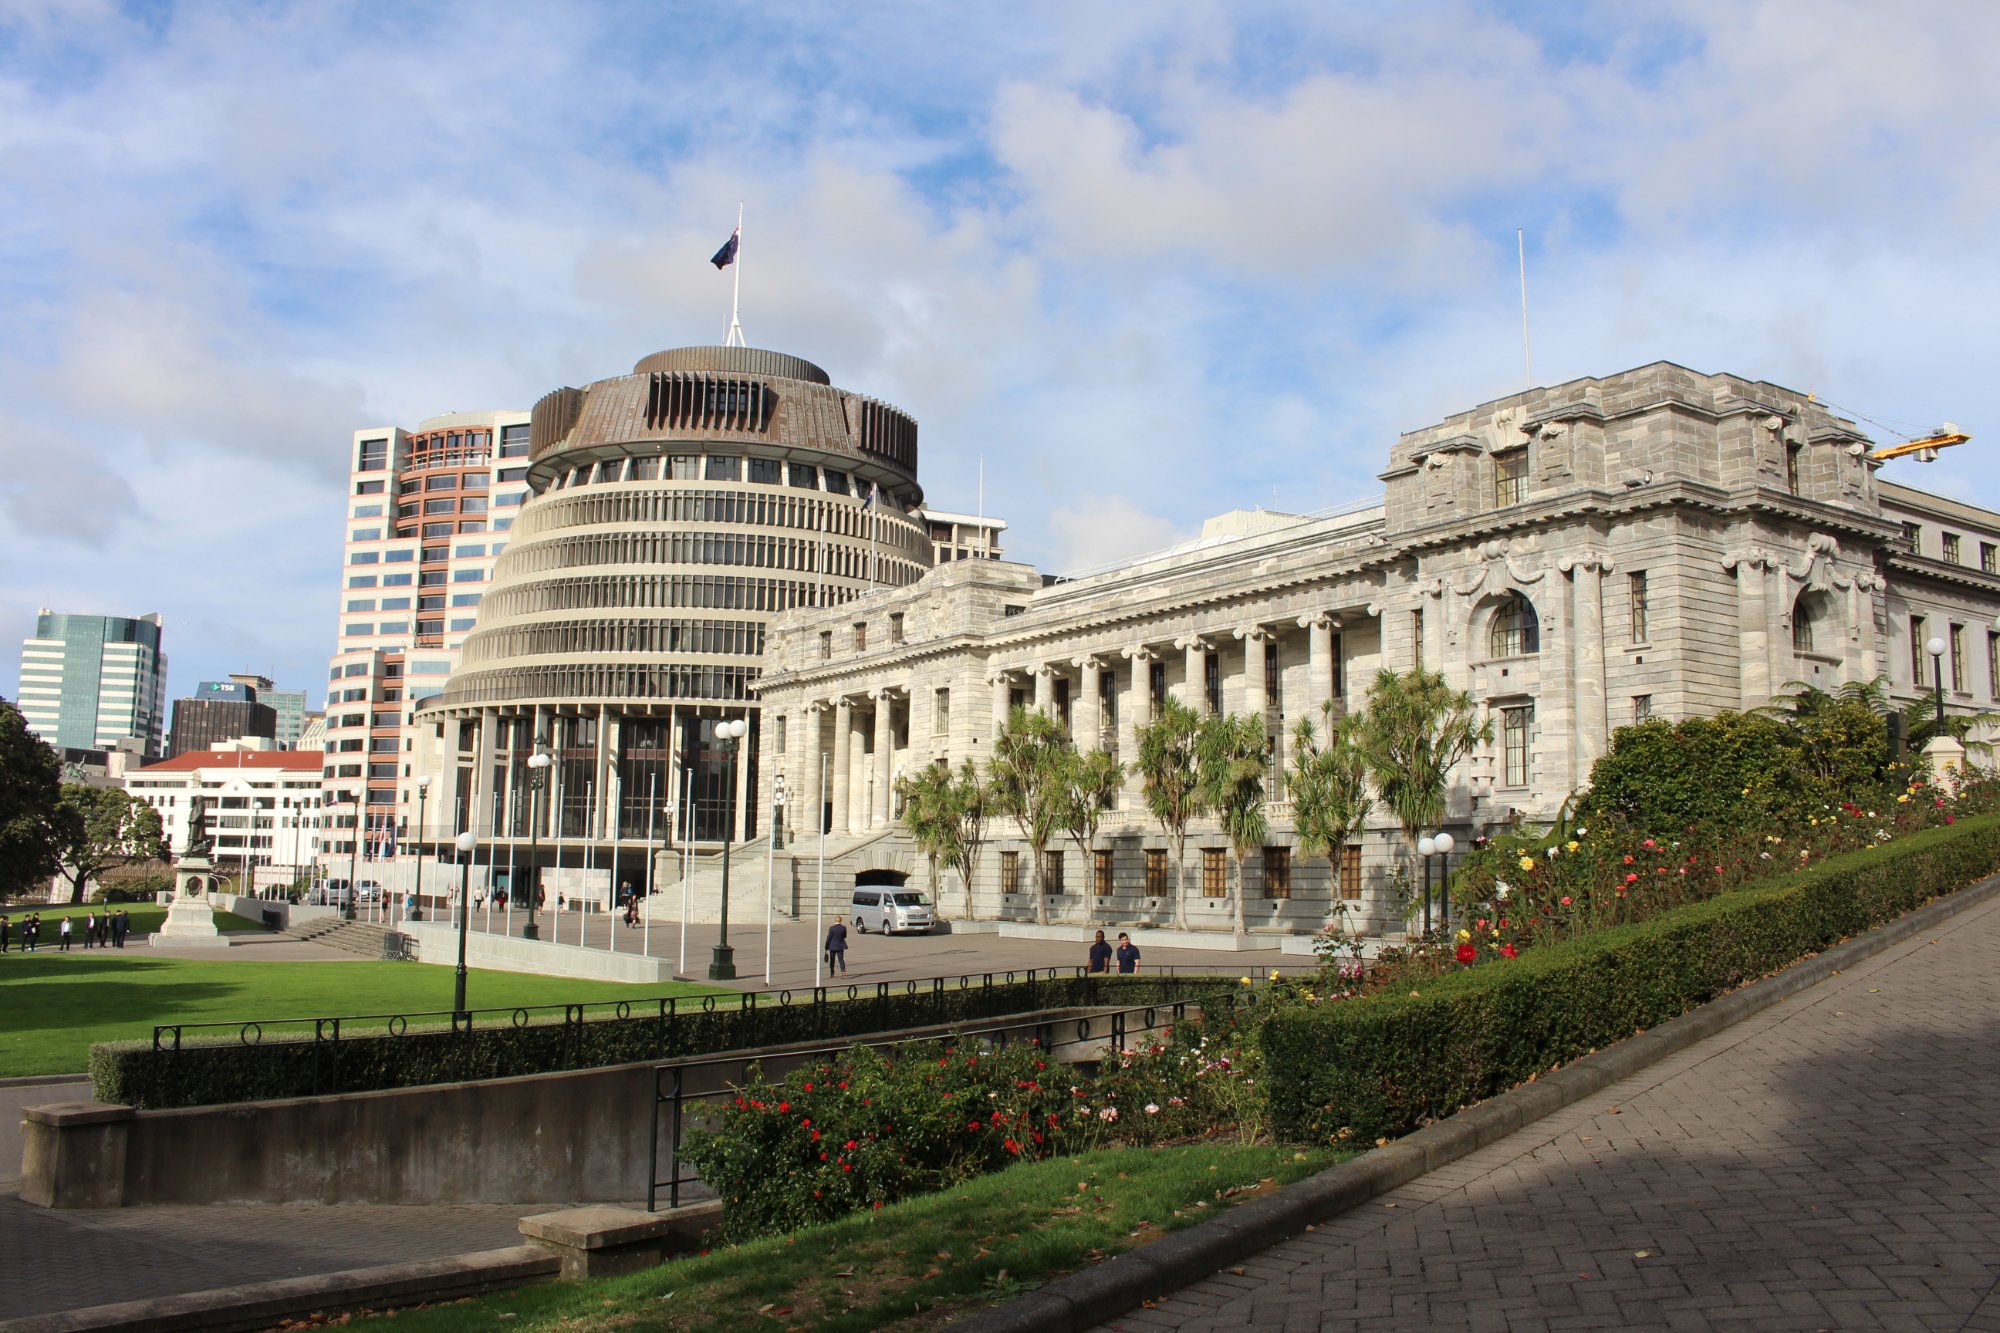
{"type": "Point", "coordinates": [355, 937]}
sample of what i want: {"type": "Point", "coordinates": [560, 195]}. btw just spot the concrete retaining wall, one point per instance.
{"type": "Point", "coordinates": [437, 942]}
{"type": "Point", "coordinates": [570, 1137]}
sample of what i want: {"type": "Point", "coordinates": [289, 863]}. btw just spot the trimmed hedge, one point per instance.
{"type": "Point", "coordinates": [209, 1072]}
{"type": "Point", "coordinates": [1385, 1064]}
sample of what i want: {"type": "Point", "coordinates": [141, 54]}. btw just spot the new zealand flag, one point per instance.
{"type": "Point", "coordinates": [727, 254]}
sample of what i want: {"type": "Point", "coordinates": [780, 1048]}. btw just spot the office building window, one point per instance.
{"type": "Point", "coordinates": [1642, 707]}
{"type": "Point", "coordinates": [1510, 478]}
{"type": "Point", "coordinates": [1100, 873]}
{"type": "Point", "coordinates": [1514, 728]}
{"type": "Point", "coordinates": [1636, 583]}
{"type": "Point", "coordinates": [1215, 871]}
{"type": "Point", "coordinates": [374, 456]}
{"type": "Point", "coordinates": [1277, 872]}
{"type": "Point", "coordinates": [1156, 872]}
{"type": "Point", "coordinates": [1953, 549]}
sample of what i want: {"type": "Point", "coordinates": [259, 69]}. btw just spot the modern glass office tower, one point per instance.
{"type": "Point", "coordinates": [88, 682]}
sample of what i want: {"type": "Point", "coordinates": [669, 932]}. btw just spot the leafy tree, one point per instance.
{"type": "Point", "coordinates": [1330, 799]}
{"type": "Point", "coordinates": [1230, 759]}
{"type": "Point", "coordinates": [1662, 777]}
{"type": "Point", "coordinates": [100, 829]}
{"type": "Point", "coordinates": [30, 798]}
{"type": "Point", "coordinates": [927, 814]}
{"type": "Point", "coordinates": [971, 804]}
{"type": "Point", "coordinates": [1091, 780]}
{"type": "Point", "coordinates": [1167, 747]}
{"type": "Point", "coordinates": [1026, 775]}
{"type": "Point", "coordinates": [1417, 729]}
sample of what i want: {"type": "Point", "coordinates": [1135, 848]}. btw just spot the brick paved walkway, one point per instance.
{"type": "Point", "coordinates": [1832, 1163]}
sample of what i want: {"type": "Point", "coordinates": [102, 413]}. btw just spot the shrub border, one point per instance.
{"type": "Point", "coordinates": [1103, 1292]}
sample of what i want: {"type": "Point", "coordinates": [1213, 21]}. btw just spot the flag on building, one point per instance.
{"type": "Point", "coordinates": [869, 503]}
{"type": "Point", "coordinates": [726, 256]}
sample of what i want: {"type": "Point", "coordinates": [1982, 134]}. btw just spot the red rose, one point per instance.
{"type": "Point", "coordinates": [1508, 951]}
{"type": "Point", "coordinates": [1466, 953]}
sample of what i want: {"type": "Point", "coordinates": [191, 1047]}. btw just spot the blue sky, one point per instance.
{"type": "Point", "coordinates": [1150, 262]}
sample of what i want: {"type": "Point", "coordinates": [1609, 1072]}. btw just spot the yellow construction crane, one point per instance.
{"type": "Point", "coordinates": [1926, 449]}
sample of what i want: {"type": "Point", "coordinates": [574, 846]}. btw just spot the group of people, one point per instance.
{"type": "Point", "coordinates": [1102, 955]}
{"type": "Point", "coordinates": [104, 930]}
{"type": "Point", "coordinates": [628, 903]}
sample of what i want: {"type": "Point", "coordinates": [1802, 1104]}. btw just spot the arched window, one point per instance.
{"type": "Point", "coordinates": [1807, 612]}
{"type": "Point", "coordinates": [1516, 629]}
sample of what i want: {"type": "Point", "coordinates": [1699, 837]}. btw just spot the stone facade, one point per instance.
{"type": "Point", "coordinates": [1659, 542]}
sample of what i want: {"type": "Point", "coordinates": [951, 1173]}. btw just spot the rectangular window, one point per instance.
{"type": "Point", "coordinates": [1156, 872]}
{"type": "Point", "coordinates": [465, 549]}
{"type": "Point", "coordinates": [468, 576]}
{"type": "Point", "coordinates": [1642, 707]}
{"type": "Point", "coordinates": [474, 481]}
{"type": "Point", "coordinates": [1992, 664]}
{"type": "Point", "coordinates": [513, 441]}
{"type": "Point", "coordinates": [1640, 625]}
{"type": "Point", "coordinates": [462, 624]}
{"type": "Point", "coordinates": [895, 627]}
{"type": "Point", "coordinates": [437, 530]}
{"type": "Point", "coordinates": [446, 506]}
{"type": "Point", "coordinates": [1277, 872]}
{"type": "Point", "coordinates": [1215, 871]}
{"type": "Point", "coordinates": [1514, 724]}
{"type": "Point", "coordinates": [1350, 871]}
{"type": "Point", "coordinates": [764, 471]}
{"type": "Point", "coordinates": [941, 713]}
{"type": "Point", "coordinates": [860, 636]}
{"type": "Point", "coordinates": [1052, 873]}
{"type": "Point", "coordinates": [1010, 872]}
{"type": "Point", "coordinates": [375, 487]}
{"type": "Point", "coordinates": [472, 504]}
{"type": "Point", "coordinates": [521, 473]}
{"type": "Point", "coordinates": [395, 603]}
{"type": "Point", "coordinates": [1956, 643]}
{"type": "Point", "coordinates": [368, 511]}
{"type": "Point", "coordinates": [361, 604]}
{"type": "Point", "coordinates": [1510, 478]}
{"type": "Point", "coordinates": [723, 467]}
{"type": "Point", "coordinates": [1913, 538]}
{"type": "Point", "coordinates": [396, 580]}
{"type": "Point", "coordinates": [1211, 681]}
{"type": "Point", "coordinates": [365, 558]}
{"type": "Point", "coordinates": [803, 475]}
{"type": "Point", "coordinates": [1916, 650]}
{"type": "Point", "coordinates": [360, 627]}
{"type": "Point", "coordinates": [1100, 873]}
{"type": "Point", "coordinates": [1989, 558]}
{"type": "Point", "coordinates": [1953, 549]}
{"type": "Point", "coordinates": [374, 456]}
{"type": "Point", "coordinates": [836, 482]}
{"type": "Point", "coordinates": [826, 645]}
{"type": "Point", "coordinates": [441, 483]}
{"type": "Point", "coordinates": [1274, 701]}
{"type": "Point", "coordinates": [1156, 682]}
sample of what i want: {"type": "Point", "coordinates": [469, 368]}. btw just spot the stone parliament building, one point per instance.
{"type": "Point", "coordinates": [1655, 543]}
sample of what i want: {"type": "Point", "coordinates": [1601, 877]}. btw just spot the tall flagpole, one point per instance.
{"type": "Point", "coordinates": [735, 335]}
{"type": "Point", "coordinates": [1527, 359]}
{"type": "Point", "coordinates": [652, 809]}
{"type": "Point", "coordinates": [819, 899]}
{"type": "Point", "coordinates": [687, 858]}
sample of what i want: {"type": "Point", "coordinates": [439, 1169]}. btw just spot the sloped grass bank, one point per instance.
{"type": "Point", "coordinates": [1383, 1064]}
{"type": "Point", "coordinates": [911, 1263]}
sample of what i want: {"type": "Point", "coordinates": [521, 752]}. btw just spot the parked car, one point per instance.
{"type": "Point", "coordinates": [334, 893]}
{"type": "Point", "coordinates": [369, 891]}
{"type": "Point", "coordinates": [892, 910]}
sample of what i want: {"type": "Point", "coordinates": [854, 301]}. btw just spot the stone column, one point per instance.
{"type": "Point", "coordinates": [1587, 683]}
{"type": "Point", "coordinates": [1256, 646]}
{"type": "Point", "coordinates": [604, 818]}
{"type": "Point", "coordinates": [1861, 618]}
{"type": "Point", "coordinates": [1752, 626]}
{"type": "Point", "coordinates": [1087, 723]}
{"type": "Point", "coordinates": [480, 818]}
{"type": "Point", "coordinates": [1002, 692]}
{"type": "Point", "coordinates": [843, 741]}
{"type": "Point", "coordinates": [742, 821]}
{"type": "Point", "coordinates": [1045, 689]}
{"type": "Point", "coordinates": [1136, 714]}
{"type": "Point", "coordinates": [1194, 691]}
{"type": "Point", "coordinates": [885, 748]}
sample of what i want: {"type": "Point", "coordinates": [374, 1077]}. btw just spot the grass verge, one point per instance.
{"type": "Point", "coordinates": [145, 918]}
{"type": "Point", "coordinates": [58, 1005]}
{"type": "Point", "coordinates": [912, 1264]}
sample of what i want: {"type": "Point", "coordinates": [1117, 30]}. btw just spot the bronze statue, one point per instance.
{"type": "Point", "coordinates": [199, 843]}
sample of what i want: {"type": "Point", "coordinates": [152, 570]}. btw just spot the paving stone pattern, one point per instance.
{"type": "Point", "coordinates": [1831, 1163]}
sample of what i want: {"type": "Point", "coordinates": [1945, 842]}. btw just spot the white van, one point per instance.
{"type": "Point", "coordinates": [890, 910]}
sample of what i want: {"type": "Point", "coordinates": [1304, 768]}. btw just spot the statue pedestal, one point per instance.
{"type": "Point", "coordinates": [1946, 757]}
{"type": "Point", "coordinates": [190, 919]}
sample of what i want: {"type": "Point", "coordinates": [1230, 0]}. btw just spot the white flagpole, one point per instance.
{"type": "Point", "coordinates": [734, 338]}
{"type": "Point", "coordinates": [1527, 359]}
{"type": "Point", "coordinates": [819, 899]}
{"type": "Point", "coordinates": [687, 857]}
{"type": "Point", "coordinates": [982, 507]}
{"type": "Point", "coordinates": [652, 806]}
{"type": "Point", "coordinates": [770, 863]}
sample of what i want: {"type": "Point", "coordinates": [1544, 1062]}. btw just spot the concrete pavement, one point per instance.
{"type": "Point", "coordinates": [1830, 1163]}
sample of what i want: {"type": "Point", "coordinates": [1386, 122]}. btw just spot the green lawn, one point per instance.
{"type": "Point", "coordinates": [145, 919]}
{"type": "Point", "coordinates": [54, 1006]}
{"type": "Point", "coordinates": [912, 1264]}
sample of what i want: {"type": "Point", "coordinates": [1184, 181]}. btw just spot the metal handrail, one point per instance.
{"type": "Point", "coordinates": [676, 1072]}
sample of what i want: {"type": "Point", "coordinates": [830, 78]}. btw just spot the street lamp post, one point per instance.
{"type": "Point", "coordinates": [722, 965]}
{"type": "Point", "coordinates": [1438, 845]}
{"type": "Point", "coordinates": [538, 767]}
{"type": "Point", "coordinates": [467, 842]}
{"type": "Point", "coordinates": [423, 791]}
{"type": "Point", "coordinates": [1935, 647]}
{"type": "Point", "coordinates": [353, 864]}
